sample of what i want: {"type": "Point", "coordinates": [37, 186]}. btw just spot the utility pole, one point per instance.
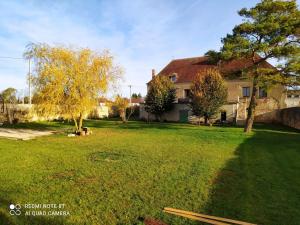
{"type": "Point", "coordinates": [29, 81]}
{"type": "Point", "coordinates": [130, 93]}
{"type": "Point", "coordinates": [23, 93]}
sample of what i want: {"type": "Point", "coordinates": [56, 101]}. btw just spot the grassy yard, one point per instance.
{"type": "Point", "coordinates": [124, 173]}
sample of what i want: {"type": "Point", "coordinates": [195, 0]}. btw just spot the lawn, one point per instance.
{"type": "Point", "coordinates": [124, 173]}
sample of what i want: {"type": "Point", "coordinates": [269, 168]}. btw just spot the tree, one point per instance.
{"type": "Point", "coordinates": [160, 96]}
{"type": "Point", "coordinates": [135, 95]}
{"type": "Point", "coordinates": [8, 98]}
{"type": "Point", "coordinates": [121, 105]}
{"type": "Point", "coordinates": [208, 94]}
{"type": "Point", "coordinates": [269, 31]}
{"type": "Point", "coordinates": [69, 81]}
{"type": "Point", "coordinates": [213, 57]}
{"type": "Point", "coordinates": [26, 100]}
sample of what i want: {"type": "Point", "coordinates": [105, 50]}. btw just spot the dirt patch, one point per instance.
{"type": "Point", "coordinates": [105, 156]}
{"type": "Point", "coordinates": [87, 180]}
{"type": "Point", "coordinates": [66, 175]}
{"type": "Point", "coordinates": [22, 134]}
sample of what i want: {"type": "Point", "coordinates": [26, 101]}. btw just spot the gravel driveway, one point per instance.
{"type": "Point", "coordinates": [23, 134]}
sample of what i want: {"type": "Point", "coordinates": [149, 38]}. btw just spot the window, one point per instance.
{"type": "Point", "coordinates": [296, 96]}
{"type": "Point", "coordinates": [290, 96]}
{"type": "Point", "coordinates": [246, 91]}
{"type": "Point", "coordinates": [223, 116]}
{"type": "Point", "coordinates": [187, 93]}
{"type": "Point", "coordinates": [173, 77]}
{"type": "Point", "coordinates": [262, 93]}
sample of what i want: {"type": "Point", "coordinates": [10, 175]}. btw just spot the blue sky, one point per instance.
{"type": "Point", "coordinates": [140, 34]}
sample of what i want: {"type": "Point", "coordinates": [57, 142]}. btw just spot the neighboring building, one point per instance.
{"type": "Point", "coordinates": [100, 111]}
{"type": "Point", "coordinates": [182, 73]}
{"type": "Point", "coordinates": [136, 101]}
{"type": "Point", "coordinates": [293, 97]}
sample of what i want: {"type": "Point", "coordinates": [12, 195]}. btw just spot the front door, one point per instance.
{"type": "Point", "coordinates": [223, 116]}
{"type": "Point", "coordinates": [183, 116]}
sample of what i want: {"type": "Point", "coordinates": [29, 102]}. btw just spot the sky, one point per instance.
{"type": "Point", "coordinates": [141, 34]}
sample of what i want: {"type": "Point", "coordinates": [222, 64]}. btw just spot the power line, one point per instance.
{"type": "Point", "coordinates": [8, 57]}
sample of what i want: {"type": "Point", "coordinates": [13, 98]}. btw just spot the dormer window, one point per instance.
{"type": "Point", "coordinates": [173, 77]}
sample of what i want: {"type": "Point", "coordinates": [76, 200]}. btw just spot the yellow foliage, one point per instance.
{"type": "Point", "coordinates": [69, 81]}
{"type": "Point", "coordinates": [121, 104]}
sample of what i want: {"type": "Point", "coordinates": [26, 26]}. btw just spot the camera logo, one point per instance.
{"type": "Point", "coordinates": [15, 210]}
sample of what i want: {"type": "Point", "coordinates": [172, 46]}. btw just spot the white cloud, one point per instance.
{"type": "Point", "coordinates": [141, 34]}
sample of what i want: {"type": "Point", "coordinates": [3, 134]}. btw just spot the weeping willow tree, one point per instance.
{"type": "Point", "coordinates": [69, 81]}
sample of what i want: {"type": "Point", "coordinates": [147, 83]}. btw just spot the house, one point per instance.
{"type": "Point", "coordinates": [293, 97]}
{"type": "Point", "coordinates": [182, 72]}
{"type": "Point", "coordinates": [136, 101]}
{"type": "Point", "coordinates": [101, 110]}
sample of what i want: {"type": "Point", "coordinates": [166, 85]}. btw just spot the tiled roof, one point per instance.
{"type": "Point", "coordinates": [186, 69]}
{"type": "Point", "coordinates": [137, 100]}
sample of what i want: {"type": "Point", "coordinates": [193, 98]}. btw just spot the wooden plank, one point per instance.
{"type": "Point", "coordinates": [201, 219]}
{"type": "Point", "coordinates": [207, 216]}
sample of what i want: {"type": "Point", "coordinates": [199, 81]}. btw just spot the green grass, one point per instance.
{"type": "Point", "coordinates": [123, 173]}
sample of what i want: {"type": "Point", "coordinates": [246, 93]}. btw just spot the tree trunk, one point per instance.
{"type": "Point", "coordinates": [205, 120]}
{"type": "Point", "coordinates": [160, 118]}
{"type": "Point", "coordinates": [123, 116]}
{"type": "Point", "coordinates": [130, 113]}
{"type": "Point", "coordinates": [8, 114]}
{"type": "Point", "coordinates": [80, 122]}
{"type": "Point", "coordinates": [251, 108]}
{"type": "Point", "coordinates": [157, 118]}
{"type": "Point", "coordinates": [76, 125]}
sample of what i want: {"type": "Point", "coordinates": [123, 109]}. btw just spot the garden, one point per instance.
{"type": "Point", "coordinates": [126, 173]}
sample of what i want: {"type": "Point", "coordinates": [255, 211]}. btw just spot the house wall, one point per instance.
{"type": "Point", "coordinates": [99, 112]}
{"type": "Point", "coordinates": [235, 93]}
{"type": "Point", "coordinates": [171, 116]}
{"type": "Point", "coordinates": [174, 114]}
{"type": "Point", "coordinates": [180, 87]}
{"type": "Point", "coordinates": [292, 101]}
{"type": "Point", "coordinates": [236, 108]}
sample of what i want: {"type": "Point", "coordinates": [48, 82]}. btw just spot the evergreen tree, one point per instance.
{"type": "Point", "coordinates": [270, 31]}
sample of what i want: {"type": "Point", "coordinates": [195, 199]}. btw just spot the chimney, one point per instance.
{"type": "Point", "coordinates": [153, 73]}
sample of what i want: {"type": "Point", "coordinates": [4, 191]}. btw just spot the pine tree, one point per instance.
{"type": "Point", "coordinates": [270, 31]}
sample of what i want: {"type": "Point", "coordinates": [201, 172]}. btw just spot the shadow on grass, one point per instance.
{"type": "Point", "coordinates": [261, 184]}
{"type": "Point", "coordinates": [133, 125]}
{"type": "Point", "coordinates": [137, 124]}
{"type": "Point", "coordinates": [34, 125]}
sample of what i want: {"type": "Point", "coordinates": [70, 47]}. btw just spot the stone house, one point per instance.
{"type": "Point", "coordinates": [182, 73]}
{"type": "Point", "coordinates": [136, 101]}
{"type": "Point", "coordinates": [293, 97]}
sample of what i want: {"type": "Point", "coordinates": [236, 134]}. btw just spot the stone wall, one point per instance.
{"type": "Point", "coordinates": [26, 112]}
{"type": "Point", "coordinates": [290, 117]}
